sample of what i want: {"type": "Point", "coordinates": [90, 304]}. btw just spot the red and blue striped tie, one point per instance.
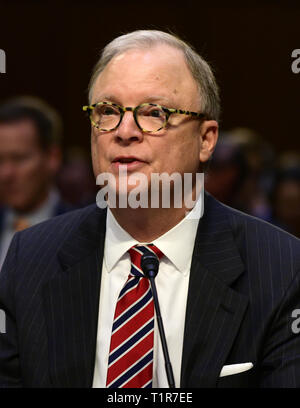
{"type": "Point", "coordinates": [130, 362]}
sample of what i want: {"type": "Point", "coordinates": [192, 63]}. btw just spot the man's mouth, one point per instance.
{"type": "Point", "coordinates": [131, 162]}
{"type": "Point", "coordinates": [126, 160]}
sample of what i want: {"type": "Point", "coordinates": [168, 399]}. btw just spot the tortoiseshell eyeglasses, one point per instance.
{"type": "Point", "coordinates": [149, 117]}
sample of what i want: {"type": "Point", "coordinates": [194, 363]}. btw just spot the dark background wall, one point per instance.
{"type": "Point", "coordinates": [51, 49]}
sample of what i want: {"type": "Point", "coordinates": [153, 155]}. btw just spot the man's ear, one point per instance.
{"type": "Point", "coordinates": [209, 137]}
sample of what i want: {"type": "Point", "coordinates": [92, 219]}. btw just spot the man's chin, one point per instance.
{"type": "Point", "coordinates": [19, 206]}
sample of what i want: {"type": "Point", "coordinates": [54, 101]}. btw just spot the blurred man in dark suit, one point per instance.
{"type": "Point", "coordinates": [78, 305]}
{"type": "Point", "coordinates": [30, 157]}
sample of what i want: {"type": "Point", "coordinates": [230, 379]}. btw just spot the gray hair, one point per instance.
{"type": "Point", "coordinates": [141, 39]}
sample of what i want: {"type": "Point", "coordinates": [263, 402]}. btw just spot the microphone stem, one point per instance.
{"type": "Point", "coordinates": [168, 365]}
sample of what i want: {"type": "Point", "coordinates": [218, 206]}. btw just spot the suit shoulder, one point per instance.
{"type": "Point", "coordinates": [239, 218]}
{"type": "Point", "coordinates": [58, 227]}
{"type": "Point", "coordinates": [69, 217]}
{"type": "Point", "coordinates": [260, 237]}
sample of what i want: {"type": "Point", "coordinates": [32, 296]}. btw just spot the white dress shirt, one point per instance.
{"type": "Point", "coordinates": [172, 286]}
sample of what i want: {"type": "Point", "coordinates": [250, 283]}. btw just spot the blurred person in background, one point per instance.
{"type": "Point", "coordinates": [75, 180]}
{"type": "Point", "coordinates": [260, 159]}
{"type": "Point", "coordinates": [240, 173]}
{"type": "Point", "coordinates": [285, 195]}
{"type": "Point", "coordinates": [30, 157]}
{"type": "Point", "coordinates": [226, 171]}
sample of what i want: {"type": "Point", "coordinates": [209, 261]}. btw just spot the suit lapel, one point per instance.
{"type": "Point", "coordinates": [214, 310]}
{"type": "Point", "coordinates": [71, 303]}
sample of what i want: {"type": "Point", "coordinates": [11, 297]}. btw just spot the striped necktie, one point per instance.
{"type": "Point", "coordinates": [130, 362]}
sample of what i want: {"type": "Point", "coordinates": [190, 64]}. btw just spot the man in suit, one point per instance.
{"type": "Point", "coordinates": [30, 157]}
{"type": "Point", "coordinates": [228, 283]}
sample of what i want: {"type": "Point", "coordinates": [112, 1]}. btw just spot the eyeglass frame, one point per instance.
{"type": "Point", "coordinates": [122, 110]}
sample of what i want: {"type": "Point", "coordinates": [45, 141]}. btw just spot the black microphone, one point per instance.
{"type": "Point", "coordinates": [150, 264]}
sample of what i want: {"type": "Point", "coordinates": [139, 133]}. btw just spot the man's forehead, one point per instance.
{"type": "Point", "coordinates": [22, 125]}
{"type": "Point", "coordinates": [160, 66]}
{"type": "Point", "coordinates": [159, 50]}
{"type": "Point", "coordinates": [16, 132]}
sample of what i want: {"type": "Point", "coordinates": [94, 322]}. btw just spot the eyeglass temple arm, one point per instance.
{"type": "Point", "coordinates": [184, 112]}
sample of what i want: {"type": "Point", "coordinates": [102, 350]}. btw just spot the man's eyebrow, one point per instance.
{"type": "Point", "coordinates": [161, 100]}
{"type": "Point", "coordinates": [108, 98]}
{"type": "Point", "coordinates": [151, 99]}
{"type": "Point", "coordinates": [158, 98]}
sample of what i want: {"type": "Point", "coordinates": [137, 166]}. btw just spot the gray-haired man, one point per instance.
{"type": "Point", "coordinates": [79, 309]}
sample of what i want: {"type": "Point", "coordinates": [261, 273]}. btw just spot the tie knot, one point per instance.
{"type": "Point", "coordinates": [136, 252]}
{"type": "Point", "coordinates": [20, 223]}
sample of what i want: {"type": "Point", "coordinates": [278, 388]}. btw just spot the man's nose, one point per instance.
{"type": "Point", "coordinates": [128, 131]}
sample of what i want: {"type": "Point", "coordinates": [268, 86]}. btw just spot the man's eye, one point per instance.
{"type": "Point", "coordinates": [107, 111]}
{"type": "Point", "coordinates": [156, 113]}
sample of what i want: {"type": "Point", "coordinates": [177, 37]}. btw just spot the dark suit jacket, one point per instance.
{"type": "Point", "coordinates": [244, 286]}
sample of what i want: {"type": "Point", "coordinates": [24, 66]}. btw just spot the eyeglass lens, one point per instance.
{"type": "Point", "coordinates": [149, 117]}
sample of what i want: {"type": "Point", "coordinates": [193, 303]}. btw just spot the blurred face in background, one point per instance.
{"type": "Point", "coordinates": [287, 205]}
{"type": "Point", "coordinates": [26, 170]}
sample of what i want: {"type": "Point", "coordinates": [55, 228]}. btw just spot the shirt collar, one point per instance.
{"type": "Point", "coordinates": [177, 244]}
{"type": "Point", "coordinates": [117, 241]}
{"type": "Point", "coordinates": [42, 213]}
